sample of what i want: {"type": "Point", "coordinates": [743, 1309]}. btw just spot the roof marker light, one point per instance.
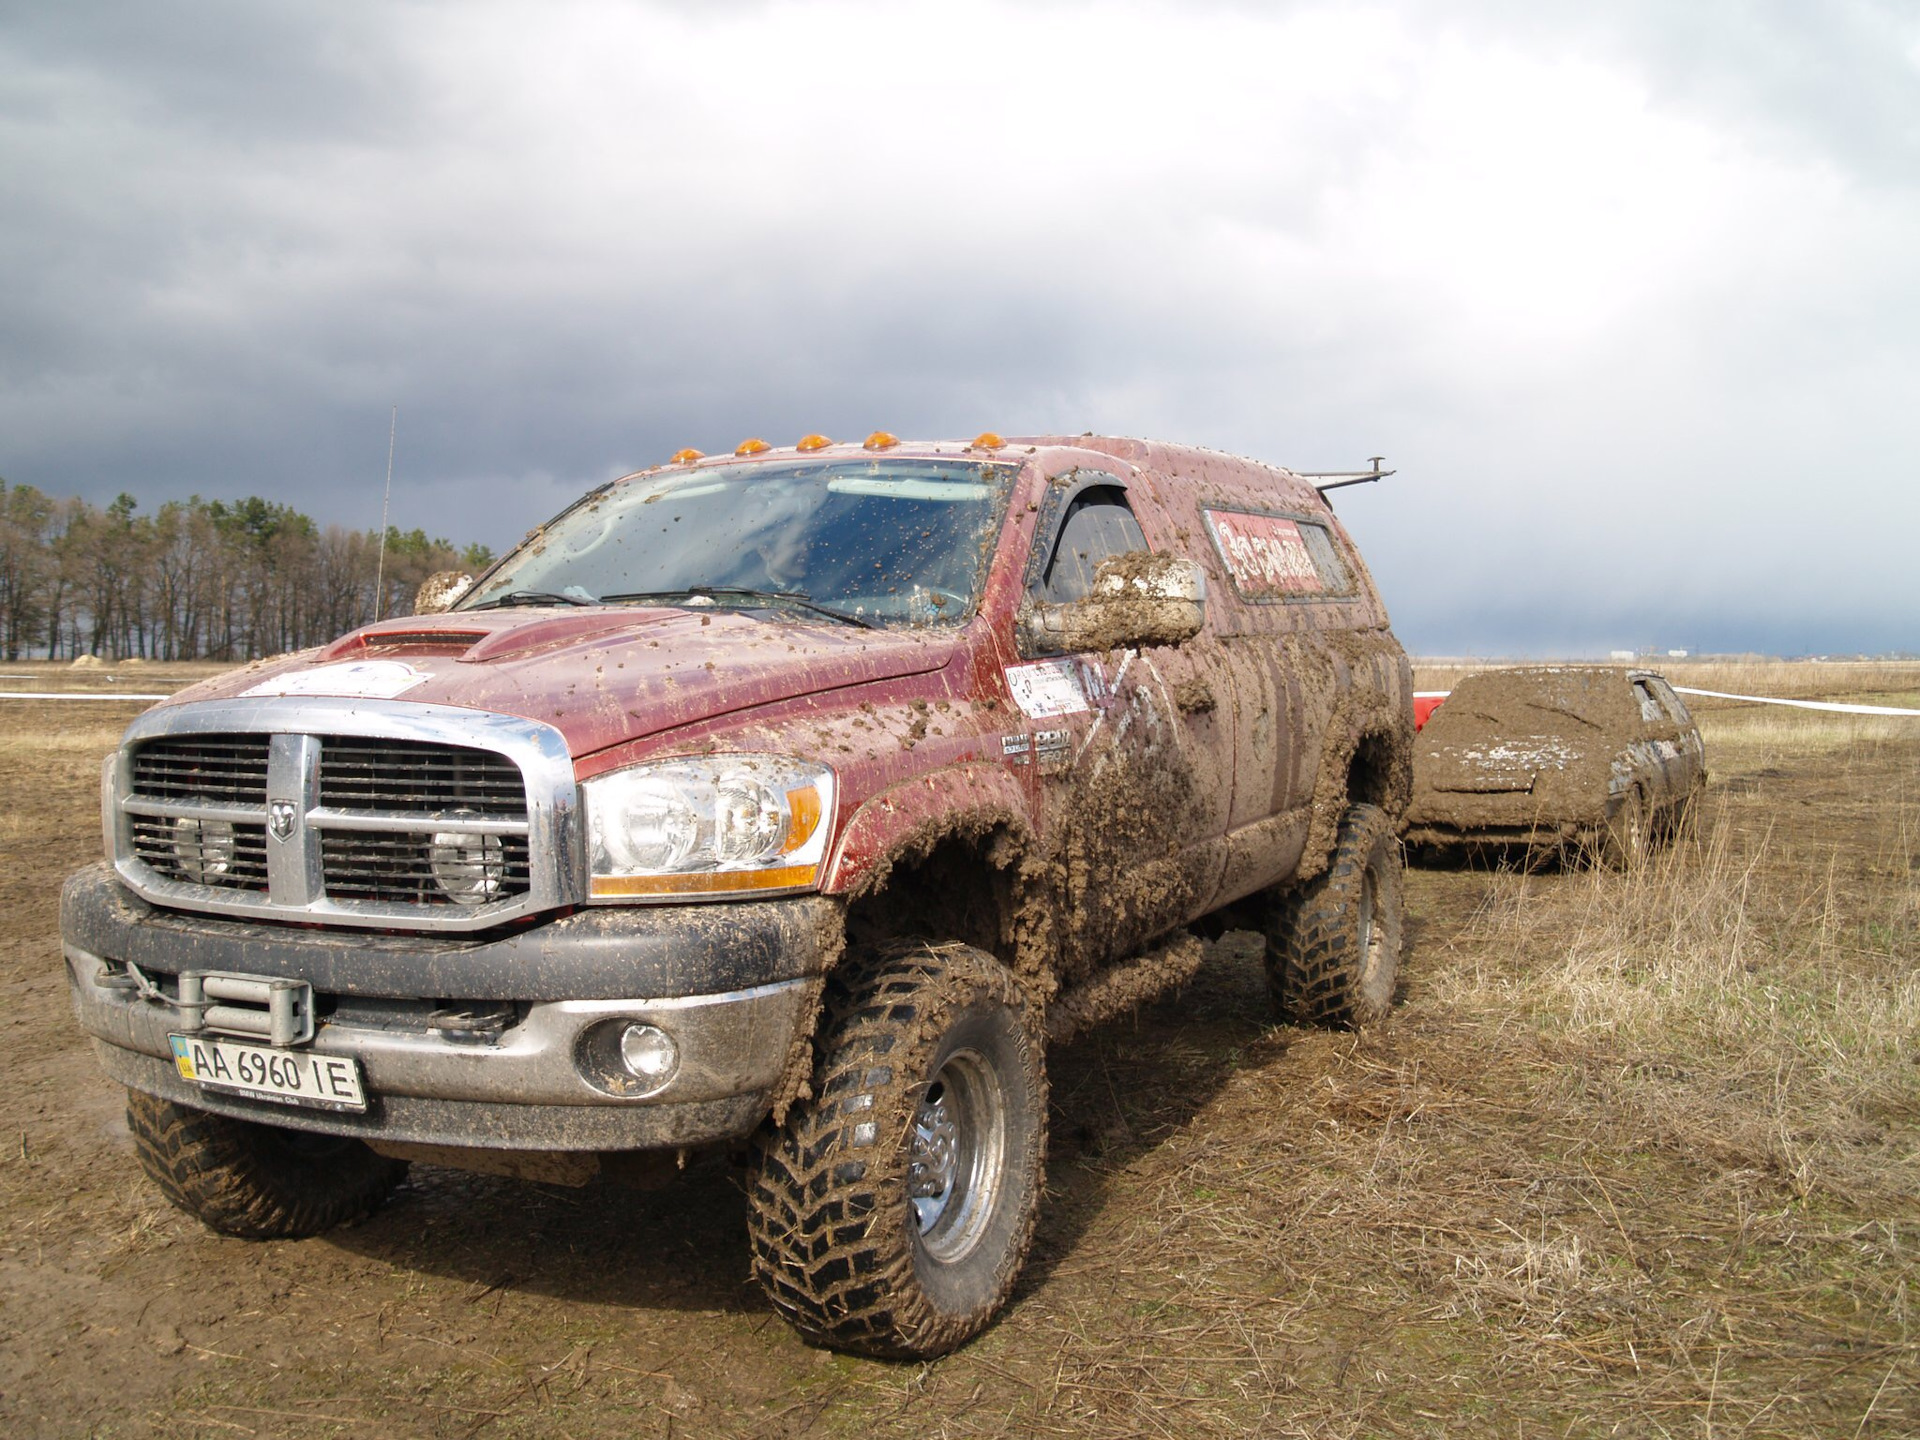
{"type": "Point", "coordinates": [685, 457]}
{"type": "Point", "coordinates": [986, 440]}
{"type": "Point", "coordinates": [751, 447]}
{"type": "Point", "coordinates": [813, 442]}
{"type": "Point", "coordinates": [881, 440]}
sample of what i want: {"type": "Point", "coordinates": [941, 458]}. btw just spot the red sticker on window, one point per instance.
{"type": "Point", "coordinates": [1267, 555]}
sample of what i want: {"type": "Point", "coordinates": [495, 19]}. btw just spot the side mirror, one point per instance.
{"type": "Point", "coordinates": [1138, 600]}
{"type": "Point", "coordinates": [440, 590]}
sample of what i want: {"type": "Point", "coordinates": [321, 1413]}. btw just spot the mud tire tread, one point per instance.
{"type": "Point", "coordinates": [827, 1215]}
{"type": "Point", "coordinates": [1313, 959]}
{"type": "Point", "coordinates": [236, 1177]}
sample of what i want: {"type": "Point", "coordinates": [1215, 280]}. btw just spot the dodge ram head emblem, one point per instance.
{"type": "Point", "coordinates": [280, 818]}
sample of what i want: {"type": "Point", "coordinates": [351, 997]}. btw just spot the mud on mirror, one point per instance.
{"type": "Point", "coordinates": [440, 590]}
{"type": "Point", "coordinates": [1137, 600]}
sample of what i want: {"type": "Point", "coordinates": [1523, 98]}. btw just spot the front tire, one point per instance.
{"type": "Point", "coordinates": [257, 1182]}
{"type": "Point", "coordinates": [891, 1213]}
{"type": "Point", "coordinates": [1333, 950]}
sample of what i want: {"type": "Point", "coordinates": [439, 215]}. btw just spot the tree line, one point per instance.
{"type": "Point", "coordinates": [197, 579]}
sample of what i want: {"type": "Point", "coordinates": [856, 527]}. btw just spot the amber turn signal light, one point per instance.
{"type": "Point", "coordinates": [813, 442]}
{"type": "Point", "coordinates": [881, 440]}
{"type": "Point", "coordinates": [751, 447]}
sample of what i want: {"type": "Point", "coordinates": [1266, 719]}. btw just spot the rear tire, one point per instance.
{"type": "Point", "coordinates": [257, 1182]}
{"type": "Point", "coordinates": [1625, 843]}
{"type": "Point", "coordinates": [1685, 813]}
{"type": "Point", "coordinates": [891, 1214]}
{"type": "Point", "coordinates": [1333, 949]}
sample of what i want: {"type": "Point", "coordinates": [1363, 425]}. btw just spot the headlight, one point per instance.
{"type": "Point", "coordinates": [721, 824]}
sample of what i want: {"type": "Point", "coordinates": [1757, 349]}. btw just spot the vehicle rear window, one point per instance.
{"type": "Point", "coordinates": [1278, 557]}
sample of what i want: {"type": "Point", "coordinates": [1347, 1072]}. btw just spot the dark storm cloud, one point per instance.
{"type": "Point", "coordinates": [1612, 340]}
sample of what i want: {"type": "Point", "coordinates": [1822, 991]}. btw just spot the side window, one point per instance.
{"type": "Point", "coordinates": [1676, 708]}
{"type": "Point", "coordinates": [1097, 525]}
{"type": "Point", "coordinates": [1650, 710]}
{"type": "Point", "coordinates": [1278, 557]}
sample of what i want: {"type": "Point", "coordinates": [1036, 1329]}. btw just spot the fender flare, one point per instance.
{"type": "Point", "coordinates": [969, 798]}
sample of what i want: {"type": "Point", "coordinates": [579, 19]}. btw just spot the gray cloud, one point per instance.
{"type": "Point", "coordinates": [1627, 296]}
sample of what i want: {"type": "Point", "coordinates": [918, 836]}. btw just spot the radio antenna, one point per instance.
{"type": "Point", "coordinates": [380, 570]}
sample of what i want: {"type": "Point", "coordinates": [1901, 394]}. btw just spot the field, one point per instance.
{"type": "Point", "coordinates": [1637, 1155]}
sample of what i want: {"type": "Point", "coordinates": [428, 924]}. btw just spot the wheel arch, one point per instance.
{"type": "Point", "coordinates": [936, 856]}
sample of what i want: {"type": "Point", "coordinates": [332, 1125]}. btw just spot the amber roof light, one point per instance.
{"type": "Point", "coordinates": [881, 440]}
{"type": "Point", "coordinates": [813, 442]}
{"type": "Point", "coordinates": [685, 457]}
{"type": "Point", "coordinates": [751, 447]}
{"type": "Point", "coordinates": [986, 440]}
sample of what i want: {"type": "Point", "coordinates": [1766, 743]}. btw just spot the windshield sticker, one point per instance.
{"type": "Point", "coordinates": [358, 679]}
{"type": "Point", "coordinates": [1047, 687]}
{"type": "Point", "coordinates": [1267, 555]}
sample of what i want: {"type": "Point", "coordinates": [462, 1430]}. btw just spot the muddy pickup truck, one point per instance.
{"type": "Point", "coordinates": [792, 801]}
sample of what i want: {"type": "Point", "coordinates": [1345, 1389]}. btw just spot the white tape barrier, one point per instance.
{"type": "Point", "coordinates": [1833, 705]}
{"type": "Point", "coordinates": [76, 695]}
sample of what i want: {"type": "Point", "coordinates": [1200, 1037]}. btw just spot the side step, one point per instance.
{"type": "Point", "coordinates": [1125, 986]}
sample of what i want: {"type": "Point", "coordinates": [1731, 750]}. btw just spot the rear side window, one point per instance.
{"type": "Point", "coordinates": [1278, 557]}
{"type": "Point", "coordinates": [1650, 710]}
{"type": "Point", "coordinates": [1098, 525]}
{"type": "Point", "coordinates": [1676, 708]}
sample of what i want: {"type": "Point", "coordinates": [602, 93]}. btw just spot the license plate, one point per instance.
{"type": "Point", "coordinates": [286, 1077]}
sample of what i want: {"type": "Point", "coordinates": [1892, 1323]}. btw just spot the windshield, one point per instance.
{"type": "Point", "coordinates": [887, 541]}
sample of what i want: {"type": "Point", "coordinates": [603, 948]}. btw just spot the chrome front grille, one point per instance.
{"type": "Point", "coordinates": [182, 849]}
{"type": "Point", "coordinates": [228, 769]}
{"type": "Point", "coordinates": [370, 819]}
{"type": "Point", "coordinates": [364, 866]}
{"type": "Point", "coordinates": [411, 775]}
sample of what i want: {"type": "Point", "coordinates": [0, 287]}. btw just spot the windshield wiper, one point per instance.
{"type": "Point", "coordinates": [742, 592]}
{"type": "Point", "coordinates": [529, 597]}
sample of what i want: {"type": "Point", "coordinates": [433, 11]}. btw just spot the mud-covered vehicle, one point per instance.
{"type": "Point", "coordinates": [1564, 760]}
{"type": "Point", "coordinates": [790, 800]}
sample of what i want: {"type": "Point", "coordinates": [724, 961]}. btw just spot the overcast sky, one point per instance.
{"type": "Point", "coordinates": [1628, 293]}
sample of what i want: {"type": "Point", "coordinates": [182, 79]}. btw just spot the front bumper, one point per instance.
{"type": "Point", "coordinates": [735, 986]}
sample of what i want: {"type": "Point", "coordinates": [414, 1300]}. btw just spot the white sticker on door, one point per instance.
{"type": "Point", "coordinates": [1047, 687]}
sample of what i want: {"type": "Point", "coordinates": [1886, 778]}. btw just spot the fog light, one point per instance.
{"type": "Point", "coordinates": [203, 849]}
{"type": "Point", "coordinates": [649, 1053]}
{"type": "Point", "coordinates": [469, 868]}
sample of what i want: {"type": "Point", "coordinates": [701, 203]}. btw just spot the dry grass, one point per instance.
{"type": "Point", "coordinates": [1637, 1155]}
{"type": "Point", "coordinates": [1861, 681]}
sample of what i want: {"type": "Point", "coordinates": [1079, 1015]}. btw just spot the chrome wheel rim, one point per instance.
{"type": "Point", "coordinates": [1372, 942]}
{"type": "Point", "coordinates": [956, 1150]}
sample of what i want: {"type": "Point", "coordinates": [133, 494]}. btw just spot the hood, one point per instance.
{"type": "Point", "coordinates": [600, 675]}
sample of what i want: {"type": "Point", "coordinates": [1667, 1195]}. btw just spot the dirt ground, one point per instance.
{"type": "Point", "coordinates": [1637, 1155]}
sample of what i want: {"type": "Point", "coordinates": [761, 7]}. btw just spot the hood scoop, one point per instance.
{"type": "Point", "coordinates": [423, 640]}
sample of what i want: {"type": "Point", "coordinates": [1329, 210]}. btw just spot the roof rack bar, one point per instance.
{"type": "Point", "coordinates": [1325, 480]}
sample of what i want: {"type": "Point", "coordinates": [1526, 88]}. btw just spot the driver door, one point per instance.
{"type": "Point", "coordinates": [1130, 752]}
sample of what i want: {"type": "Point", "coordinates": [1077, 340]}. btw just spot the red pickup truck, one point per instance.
{"type": "Point", "coordinates": [792, 799]}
